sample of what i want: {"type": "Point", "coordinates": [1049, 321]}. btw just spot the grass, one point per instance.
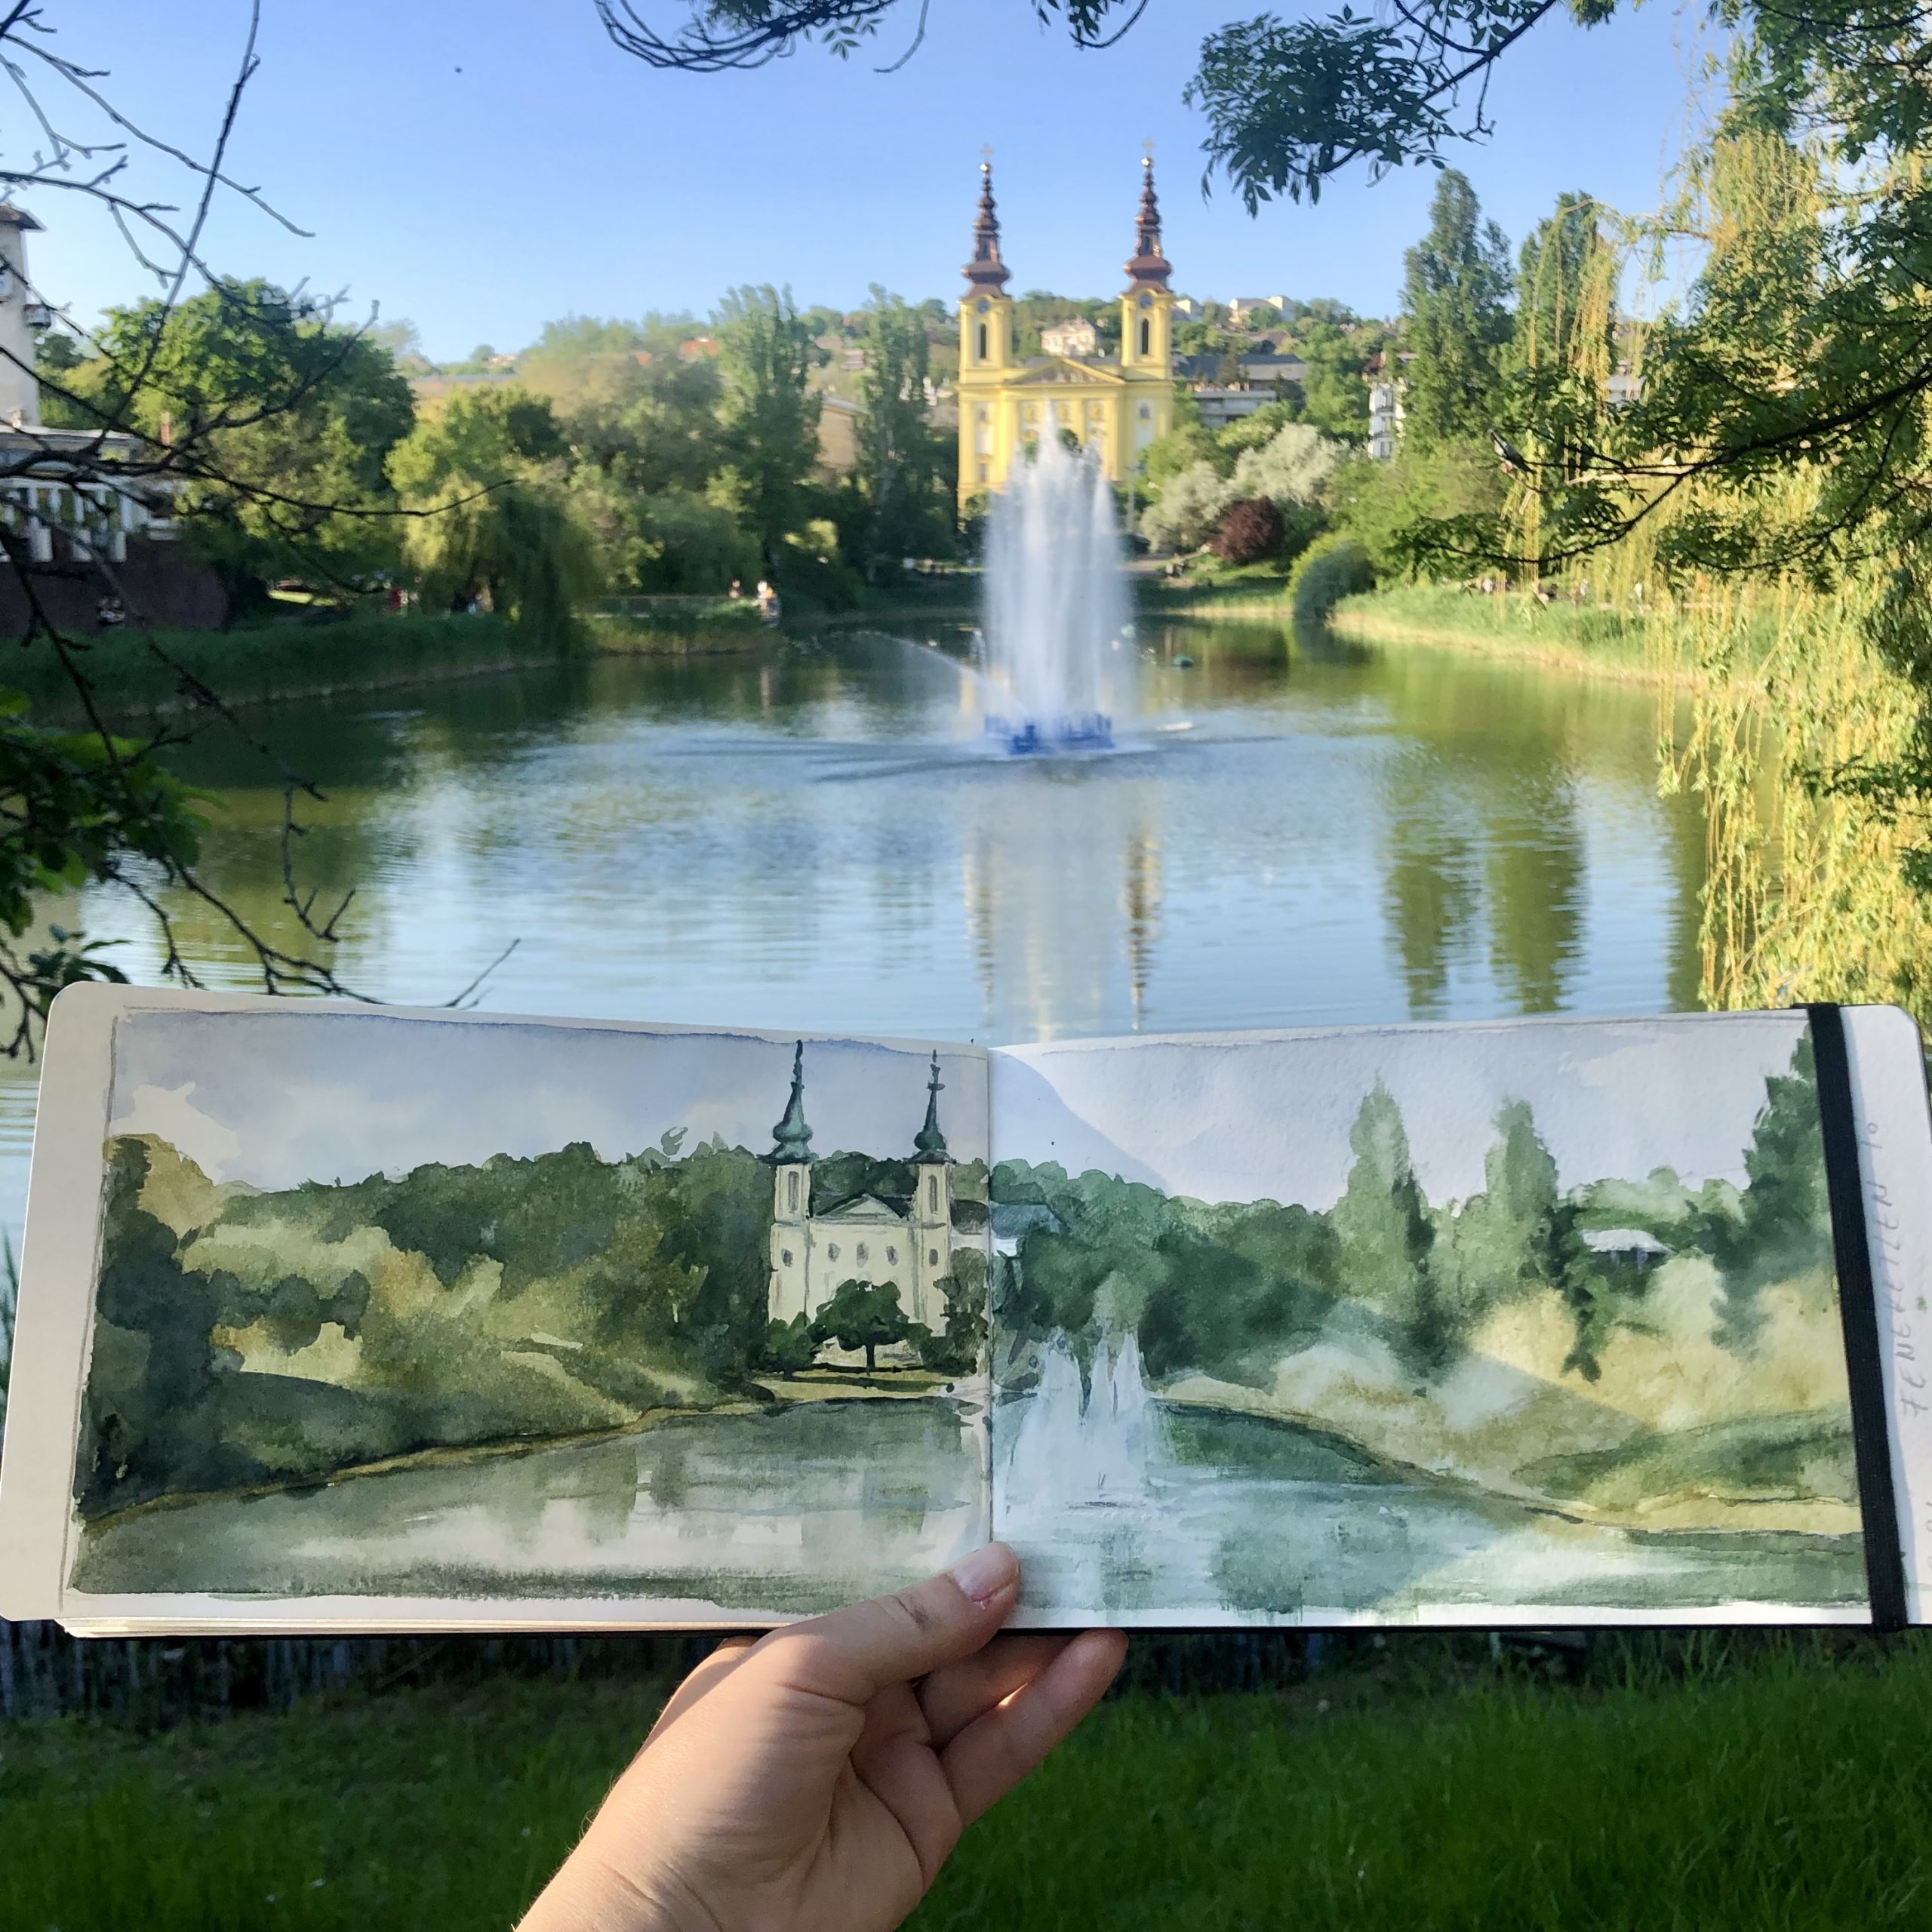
{"type": "Point", "coordinates": [271, 662]}
{"type": "Point", "coordinates": [1790, 1793]}
{"type": "Point", "coordinates": [1584, 637]}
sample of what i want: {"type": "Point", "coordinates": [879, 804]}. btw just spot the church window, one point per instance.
{"type": "Point", "coordinates": [982, 342]}
{"type": "Point", "coordinates": [1146, 412]}
{"type": "Point", "coordinates": [892, 1254]}
{"type": "Point", "coordinates": [831, 1252]}
{"type": "Point", "coordinates": [786, 1258]}
{"type": "Point", "coordinates": [791, 1192]}
{"type": "Point", "coordinates": [932, 1193]}
{"type": "Point", "coordinates": [862, 1250]}
{"type": "Point", "coordinates": [984, 473]}
{"type": "Point", "coordinates": [932, 1257]}
{"type": "Point", "coordinates": [1146, 336]}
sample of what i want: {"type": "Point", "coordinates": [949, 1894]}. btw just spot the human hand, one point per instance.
{"type": "Point", "coordinates": [819, 1777]}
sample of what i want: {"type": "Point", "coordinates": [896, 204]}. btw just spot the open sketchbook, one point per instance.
{"type": "Point", "coordinates": [340, 1319]}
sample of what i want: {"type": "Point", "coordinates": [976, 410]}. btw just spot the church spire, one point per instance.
{"type": "Point", "coordinates": [985, 270]}
{"type": "Point", "coordinates": [929, 1143]}
{"type": "Point", "coordinates": [791, 1138]}
{"type": "Point", "coordinates": [1150, 268]}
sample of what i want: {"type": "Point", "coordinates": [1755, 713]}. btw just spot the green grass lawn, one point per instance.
{"type": "Point", "coordinates": [1792, 1792]}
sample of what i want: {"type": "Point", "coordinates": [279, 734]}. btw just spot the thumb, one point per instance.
{"type": "Point", "coordinates": [854, 1653]}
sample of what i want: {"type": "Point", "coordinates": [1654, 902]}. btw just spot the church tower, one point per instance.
{"type": "Point", "coordinates": [986, 353]}
{"type": "Point", "coordinates": [1147, 309]}
{"type": "Point", "coordinates": [791, 1159]}
{"type": "Point", "coordinates": [932, 1229]}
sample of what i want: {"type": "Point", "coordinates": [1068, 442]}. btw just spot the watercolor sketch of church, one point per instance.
{"type": "Point", "coordinates": [392, 1309]}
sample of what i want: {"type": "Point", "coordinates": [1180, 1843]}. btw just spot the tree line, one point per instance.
{"type": "Point", "coordinates": [1230, 1289]}
{"type": "Point", "coordinates": [251, 1338]}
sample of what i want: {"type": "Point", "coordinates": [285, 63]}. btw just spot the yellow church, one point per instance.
{"type": "Point", "coordinates": [1114, 408]}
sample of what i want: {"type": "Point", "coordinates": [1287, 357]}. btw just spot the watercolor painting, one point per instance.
{"type": "Point", "coordinates": [1431, 1324]}
{"type": "Point", "coordinates": [392, 1309]}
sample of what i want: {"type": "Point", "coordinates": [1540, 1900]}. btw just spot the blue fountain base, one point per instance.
{"type": "Point", "coordinates": [1031, 736]}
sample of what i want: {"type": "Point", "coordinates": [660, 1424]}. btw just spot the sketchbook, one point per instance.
{"type": "Point", "coordinates": [351, 1319]}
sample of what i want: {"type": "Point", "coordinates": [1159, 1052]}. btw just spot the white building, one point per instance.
{"type": "Point", "coordinates": [1246, 307]}
{"type": "Point", "coordinates": [1385, 419]}
{"type": "Point", "coordinates": [1220, 406]}
{"type": "Point", "coordinates": [1076, 336]}
{"type": "Point", "coordinates": [51, 480]}
{"type": "Point", "coordinates": [908, 1243]}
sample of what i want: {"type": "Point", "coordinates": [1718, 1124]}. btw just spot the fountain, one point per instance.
{"type": "Point", "coordinates": [1057, 620]}
{"type": "Point", "coordinates": [1081, 1445]}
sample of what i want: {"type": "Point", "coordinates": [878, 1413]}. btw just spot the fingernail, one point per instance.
{"type": "Point", "coordinates": [987, 1573]}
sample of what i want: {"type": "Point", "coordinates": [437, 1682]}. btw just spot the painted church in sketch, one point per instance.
{"type": "Point", "coordinates": [908, 1242]}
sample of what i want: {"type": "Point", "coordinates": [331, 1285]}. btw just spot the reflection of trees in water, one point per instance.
{"type": "Point", "coordinates": [1484, 835]}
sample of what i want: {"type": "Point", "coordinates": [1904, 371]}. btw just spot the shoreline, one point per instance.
{"type": "Point", "coordinates": [849, 1389]}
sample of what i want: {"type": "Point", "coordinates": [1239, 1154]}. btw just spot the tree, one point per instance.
{"type": "Point", "coordinates": [1335, 397]}
{"type": "Point", "coordinates": [1784, 1225]}
{"type": "Point", "coordinates": [244, 413]}
{"type": "Point", "coordinates": [766, 354]}
{"type": "Point", "coordinates": [1385, 1233]}
{"type": "Point", "coordinates": [1455, 317]}
{"type": "Point", "coordinates": [900, 458]}
{"type": "Point", "coordinates": [291, 419]}
{"type": "Point", "coordinates": [1250, 529]}
{"type": "Point", "coordinates": [489, 468]}
{"type": "Point", "coordinates": [1505, 1236]}
{"type": "Point", "coordinates": [860, 1316]}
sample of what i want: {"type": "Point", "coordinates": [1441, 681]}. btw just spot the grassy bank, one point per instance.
{"type": "Point", "coordinates": [1790, 1793]}
{"type": "Point", "coordinates": [675, 626]}
{"type": "Point", "coordinates": [270, 663]}
{"type": "Point", "coordinates": [1586, 638]}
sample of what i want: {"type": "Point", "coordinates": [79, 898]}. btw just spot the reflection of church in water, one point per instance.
{"type": "Point", "coordinates": [907, 1241]}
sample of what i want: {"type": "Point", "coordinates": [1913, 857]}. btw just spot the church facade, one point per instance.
{"type": "Point", "coordinates": [1113, 407]}
{"type": "Point", "coordinates": [908, 1243]}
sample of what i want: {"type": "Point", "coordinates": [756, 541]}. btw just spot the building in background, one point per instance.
{"type": "Point", "coordinates": [1076, 336]}
{"type": "Point", "coordinates": [1113, 407]}
{"type": "Point", "coordinates": [88, 509]}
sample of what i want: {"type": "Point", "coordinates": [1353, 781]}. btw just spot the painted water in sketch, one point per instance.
{"type": "Point", "coordinates": [1410, 1327]}
{"type": "Point", "coordinates": [397, 1308]}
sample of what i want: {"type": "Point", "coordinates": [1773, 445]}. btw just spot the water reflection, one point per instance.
{"type": "Point", "coordinates": [812, 836]}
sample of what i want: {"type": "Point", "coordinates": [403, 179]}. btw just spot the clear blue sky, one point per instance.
{"type": "Point", "coordinates": [553, 174]}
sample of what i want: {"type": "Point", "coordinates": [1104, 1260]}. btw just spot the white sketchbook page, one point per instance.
{"type": "Point", "coordinates": [1895, 1158]}
{"type": "Point", "coordinates": [39, 1533]}
{"type": "Point", "coordinates": [1414, 1488]}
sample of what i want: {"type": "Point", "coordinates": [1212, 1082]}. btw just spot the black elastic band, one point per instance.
{"type": "Point", "coordinates": [1858, 1309]}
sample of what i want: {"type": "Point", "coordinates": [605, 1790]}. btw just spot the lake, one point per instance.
{"type": "Point", "coordinates": [809, 836]}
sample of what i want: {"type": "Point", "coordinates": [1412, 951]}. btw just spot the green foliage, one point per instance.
{"type": "Point", "coordinates": [1383, 1223]}
{"type": "Point", "coordinates": [281, 422]}
{"type": "Point", "coordinates": [766, 355]}
{"type": "Point", "coordinates": [959, 1348]}
{"type": "Point", "coordinates": [1392, 509]}
{"type": "Point", "coordinates": [486, 475]}
{"type": "Point", "coordinates": [1332, 567]}
{"type": "Point", "coordinates": [1335, 397]}
{"type": "Point", "coordinates": [1456, 318]}
{"type": "Point", "coordinates": [902, 459]}
{"type": "Point", "coordinates": [861, 1314]}
{"type": "Point", "coordinates": [1782, 1226]}
{"type": "Point", "coordinates": [522, 1299]}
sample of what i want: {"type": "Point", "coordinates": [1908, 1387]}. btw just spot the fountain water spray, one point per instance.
{"type": "Point", "coordinates": [1057, 648]}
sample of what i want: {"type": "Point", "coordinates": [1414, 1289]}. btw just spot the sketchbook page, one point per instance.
{"type": "Point", "coordinates": [1531, 1322]}
{"type": "Point", "coordinates": [361, 1319]}
{"type": "Point", "coordinates": [1895, 1159]}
